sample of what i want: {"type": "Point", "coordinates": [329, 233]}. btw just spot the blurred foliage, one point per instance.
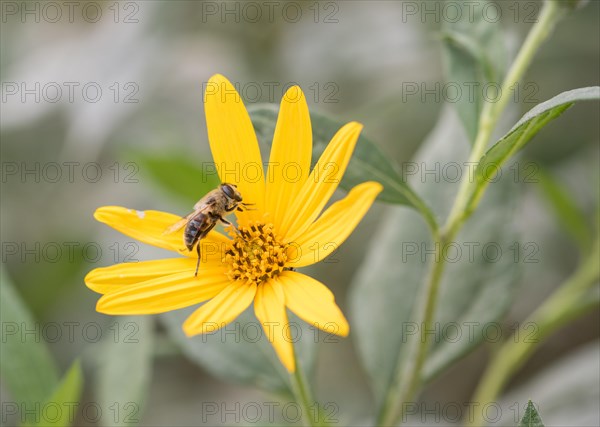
{"type": "Point", "coordinates": [177, 174]}
{"type": "Point", "coordinates": [571, 218]}
{"type": "Point", "coordinates": [367, 162]}
{"type": "Point", "coordinates": [245, 356]}
{"type": "Point", "coordinates": [475, 56]}
{"type": "Point", "coordinates": [369, 54]}
{"type": "Point", "coordinates": [477, 288]}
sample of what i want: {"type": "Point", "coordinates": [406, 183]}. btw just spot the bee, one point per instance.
{"type": "Point", "coordinates": [208, 211]}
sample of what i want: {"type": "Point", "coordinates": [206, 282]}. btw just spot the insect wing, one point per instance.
{"type": "Point", "coordinates": [206, 201]}
{"type": "Point", "coordinates": [178, 225]}
{"type": "Point", "coordinates": [200, 207]}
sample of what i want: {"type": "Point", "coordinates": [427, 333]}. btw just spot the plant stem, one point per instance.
{"type": "Point", "coordinates": [491, 112]}
{"type": "Point", "coordinates": [406, 383]}
{"type": "Point", "coordinates": [565, 304]}
{"type": "Point", "coordinates": [303, 396]}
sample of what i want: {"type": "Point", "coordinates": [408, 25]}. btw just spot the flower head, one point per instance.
{"type": "Point", "coordinates": [285, 228]}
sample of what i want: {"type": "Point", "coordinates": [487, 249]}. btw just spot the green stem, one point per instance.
{"type": "Point", "coordinates": [406, 383]}
{"type": "Point", "coordinates": [491, 112]}
{"type": "Point", "coordinates": [310, 413]}
{"type": "Point", "coordinates": [565, 304]}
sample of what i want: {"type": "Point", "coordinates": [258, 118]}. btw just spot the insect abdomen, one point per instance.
{"type": "Point", "coordinates": [194, 230]}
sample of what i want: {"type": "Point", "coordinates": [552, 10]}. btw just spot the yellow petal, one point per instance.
{"type": "Point", "coordinates": [150, 227]}
{"type": "Point", "coordinates": [220, 310]}
{"type": "Point", "coordinates": [311, 301]}
{"type": "Point", "coordinates": [332, 228]}
{"type": "Point", "coordinates": [165, 293]}
{"type": "Point", "coordinates": [108, 279]}
{"type": "Point", "coordinates": [233, 144]}
{"type": "Point", "coordinates": [322, 182]}
{"type": "Point", "coordinates": [269, 307]}
{"type": "Point", "coordinates": [289, 163]}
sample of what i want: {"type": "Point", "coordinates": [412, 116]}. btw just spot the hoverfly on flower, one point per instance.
{"type": "Point", "coordinates": [209, 210]}
{"type": "Point", "coordinates": [258, 263]}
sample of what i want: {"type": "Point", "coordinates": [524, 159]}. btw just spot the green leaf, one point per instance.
{"type": "Point", "coordinates": [367, 163]}
{"type": "Point", "coordinates": [178, 174]}
{"type": "Point", "coordinates": [474, 55]}
{"type": "Point", "coordinates": [28, 369]}
{"type": "Point", "coordinates": [59, 278]}
{"type": "Point", "coordinates": [525, 129]}
{"type": "Point", "coordinates": [241, 353]}
{"type": "Point", "coordinates": [476, 289]}
{"type": "Point", "coordinates": [124, 370]}
{"type": "Point", "coordinates": [571, 217]}
{"type": "Point", "coordinates": [531, 417]}
{"type": "Point", "coordinates": [65, 395]}
{"type": "Point", "coordinates": [567, 389]}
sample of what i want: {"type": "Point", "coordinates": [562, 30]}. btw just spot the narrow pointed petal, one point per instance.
{"type": "Point", "coordinates": [109, 279]}
{"type": "Point", "coordinates": [220, 310]}
{"type": "Point", "coordinates": [165, 293]}
{"type": "Point", "coordinates": [233, 143]}
{"type": "Point", "coordinates": [151, 227]}
{"type": "Point", "coordinates": [334, 226]}
{"type": "Point", "coordinates": [311, 301]}
{"type": "Point", "coordinates": [269, 307]}
{"type": "Point", "coordinates": [289, 162]}
{"type": "Point", "coordinates": [322, 182]}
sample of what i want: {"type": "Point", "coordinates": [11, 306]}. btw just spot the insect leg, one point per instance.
{"type": "Point", "coordinates": [224, 221]}
{"type": "Point", "coordinates": [244, 206]}
{"type": "Point", "coordinates": [197, 263]}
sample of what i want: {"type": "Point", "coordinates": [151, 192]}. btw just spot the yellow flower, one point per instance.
{"type": "Point", "coordinates": [286, 229]}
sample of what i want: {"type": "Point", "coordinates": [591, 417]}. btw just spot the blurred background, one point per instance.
{"type": "Point", "coordinates": [102, 105]}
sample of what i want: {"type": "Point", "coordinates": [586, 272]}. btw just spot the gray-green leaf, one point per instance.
{"type": "Point", "coordinates": [570, 216]}
{"type": "Point", "coordinates": [240, 352]}
{"type": "Point", "coordinates": [28, 369]}
{"type": "Point", "coordinates": [477, 286]}
{"type": "Point", "coordinates": [124, 370]}
{"type": "Point", "coordinates": [178, 174]}
{"type": "Point", "coordinates": [474, 56]}
{"type": "Point", "coordinates": [367, 163]}
{"type": "Point", "coordinates": [66, 394]}
{"type": "Point", "coordinates": [525, 129]}
{"type": "Point", "coordinates": [531, 417]}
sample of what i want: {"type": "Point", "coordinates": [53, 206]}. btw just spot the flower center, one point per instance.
{"type": "Point", "coordinates": [255, 255]}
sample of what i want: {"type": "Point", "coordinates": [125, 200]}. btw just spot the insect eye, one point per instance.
{"type": "Point", "coordinates": [228, 190]}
